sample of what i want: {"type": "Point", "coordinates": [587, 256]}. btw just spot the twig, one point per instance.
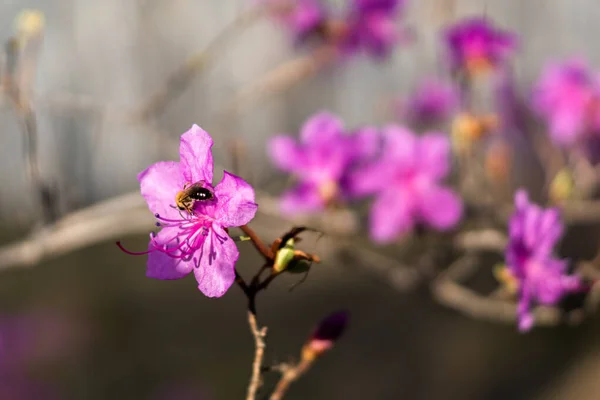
{"type": "Point", "coordinates": [290, 373]}
{"type": "Point", "coordinates": [481, 240]}
{"type": "Point", "coordinates": [259, 346]}
{"type": "Point", "coordinates": [61, 238]}
{"type": "Point", "coordinates": [180, 79]}
{"type": "Point", "coordinates": [450, 293]}
{"type": "Point", "coordinates": [18, 80]}
{"type": "Point", "coordinates": [257, 242]}
{"type": "Point", "coordinates": [277, 80]}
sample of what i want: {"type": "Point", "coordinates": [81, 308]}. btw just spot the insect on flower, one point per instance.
{"type": "Point", "coordinates": [186, 198]}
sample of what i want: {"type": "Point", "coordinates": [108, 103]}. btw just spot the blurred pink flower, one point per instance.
{"type": "Point", "coordinates": [195, 241]}
{"type": "Point", "coordinates": [406, 182]}
{"type": "Point", "coordinates": [476, 45]}
{"type": "Point", "coordinates": [541, 278]}
{"type": "Point", "coordinates": [320, 161]}
{"type": "Point", "coordinates": [433, 101]}
{"type": "Point", "coordinates": [371, 25]}
{"type": "Point", "coordinates": [567, 96]}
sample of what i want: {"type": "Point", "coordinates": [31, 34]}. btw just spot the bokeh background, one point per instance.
{"type": "Point", "coordinates": [90, 325]}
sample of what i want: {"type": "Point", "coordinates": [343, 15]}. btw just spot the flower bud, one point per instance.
{"type": "Point", "coordinates": [506, 278]}
{"type": "Point", "coordinates": [284, 256]}
{"type": "Point", "coordinates": [325, 335]}
{"type": "Point", "coordinates": [561, 187]}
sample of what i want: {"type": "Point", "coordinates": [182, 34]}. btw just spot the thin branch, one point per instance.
{"type": "Point", "coordinates": [290, 374]}
{"type": "Point", "coordinates": [259, 346]}
{"type": "Point", "coordinates": [277, 80]}
{"type": "Point", "coordinates": [258, 243]}
{"type": "Point", "coordinates": [180, 79]}
{"type": "Point", "coordinates": [448, 291]}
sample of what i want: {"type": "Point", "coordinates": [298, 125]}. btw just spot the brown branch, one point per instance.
{"type": "Point", "coordinates": [180, 79]}
{"type": "Point", "coordinates": [290, 374]}
{"type": "Point", "coordinates": [448, 291]}
{"type": "Point", "coordinates": [258, 243]}
{"type": "Point", "coordinates": [259, 345]}
{"type": "Point", "coordinates": [277, 80]}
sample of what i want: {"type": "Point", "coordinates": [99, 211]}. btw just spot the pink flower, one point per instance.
{"type": "Point", "coordinates": [195, 241]}
{"type": "Point", "coordinates": [541, 277]}
{"type": "Point", "coordinates": [567, 96]}
{"type": "Point", "coordinates": [476, 45]}
{"type": "Point", "coordinates": [406, 182]}
{"type": "Point", "coordinates": [432, 102]}
{"type": "Point", "coordinates": [320, 161]}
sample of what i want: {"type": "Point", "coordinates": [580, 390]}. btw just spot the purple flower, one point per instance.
{"type": "Point", "coordinates": [371, 26]}
{"type": "Point", "coordinates": [301, 17]}
{"type": "Point", "coordinates": [432, 102]}
{"type": "Point", "coordinates": [406, 180]}
{"type": "Point", "coordinates": [320, 161]}
{"type": "Point", "coordinates": [475, 45]}
{"type": "Point", "coordinates": [567, 96]}
{"type": "Point", "coordinates": [197, 240]}
{"type": "Point", "coordinates": [541, 278]}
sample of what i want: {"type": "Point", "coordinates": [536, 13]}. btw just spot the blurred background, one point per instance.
{"type": "Point", "coordinates": [87, 324]}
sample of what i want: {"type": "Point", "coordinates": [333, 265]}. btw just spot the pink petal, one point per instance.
{"type": "Point", "coordinates": [196, 156]}
{"type": "Point", "coordinates": [304, 198]}
{"type": "Point", "coordinates": [235, 201]}
{"type": "Point", "coordinates": [400, 147]}
{"type": "Point", "coordinates": [440, 208]}
{"type": "Point", "coordinates": [321, 127]}
{"type": "Point", "coordinates": [390, 216]}
{"type": "Point", "coordinates": [285, 153]}
{"type": "Point", "coordinates": [160, 265]}
{"type": "Point", "coordinates": [434, 154]}
{"type": "Point", "coordinates": [216, 274]}
{"type": "Point", "coordinates": [366, 142]}
{"type": "Point", "coordinates": [369, 179]}
{"type": "Point", "coordinates": [159, 184]}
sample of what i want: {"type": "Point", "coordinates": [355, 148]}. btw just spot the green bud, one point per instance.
{"type": "Point", "coordinates": [284, 256]}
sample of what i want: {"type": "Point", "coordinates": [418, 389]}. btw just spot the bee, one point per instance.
{"type": "Point", "coordinates": [186, 198]}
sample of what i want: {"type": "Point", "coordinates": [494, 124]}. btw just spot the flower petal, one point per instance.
{"type": "Point", "coordinates": [304, 198]}
{"type": "Point", "coordinates": [391, 216]}
{"type": "Point", "coordinates": [321, 127]}
{"type": "Point", "coordinates": [159, 184]}
{"type": "Point", "coordinates": [285, 153]}
{"type": "Point", "coordinates": [368, 179]}
{"type": "Point", "coordinates": [440, 207]}
{"type": "Point", "coordinates": [235, 201]}
{"type": "Point", "coordinates": [160, 265]}
{"type": "Point", "coordinates": [434, 154]}
{"type": "Point", "coordinates": [400, 147]}
{"type": "Point", "coordinates": [215, 272]}
{"type": "Point", "coordinates": [196, 156]}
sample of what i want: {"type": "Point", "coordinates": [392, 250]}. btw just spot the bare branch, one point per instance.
{"type": "Point", "coordinates": [277, 80]}
{"type": "Point", "coordinates": [180, 79]}
{"type": "Point", "coordinates": [290, 374]}
{"type": "Point", "coordinates": [259, 344]}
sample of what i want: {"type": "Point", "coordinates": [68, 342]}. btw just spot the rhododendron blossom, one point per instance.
{"type": "Point", "coordinates": [195, 241]}
{"type": "Point", "coordinates": [371, 25]}
{"type": "Point", "coordinates": [540, 277]}
{"type": "Point", "coordinates": [320, 161]}
{"type": "Point", "coordinates": [567, 96]}
{"type": "Point", "coordinates": [406, 181]}
{"type": "Point", "coordinates": [476, 45]}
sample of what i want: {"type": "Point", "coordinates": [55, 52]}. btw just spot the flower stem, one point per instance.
{"type": "Point", "coordinates": [258, 243]}
{"type": "Point", "coordinates": [289, 375]}
{"type": "Point", "coordinates": [259, 346]}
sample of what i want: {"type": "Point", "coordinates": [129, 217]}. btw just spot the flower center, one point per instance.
{"type": "Point", "coordinates": [186, 236]}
